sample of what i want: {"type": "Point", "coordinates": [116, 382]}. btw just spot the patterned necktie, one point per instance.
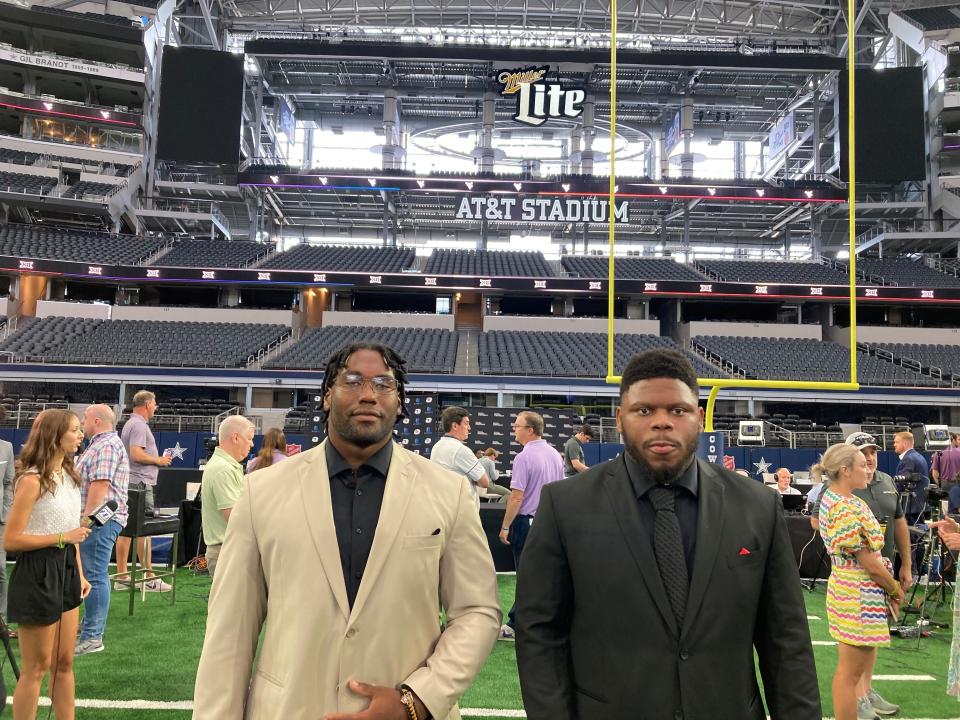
{"type": "Point", "coordinates": [668, 546]}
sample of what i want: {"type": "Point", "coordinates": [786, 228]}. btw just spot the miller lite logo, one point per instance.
{"type": "Point", "coordinates": [94, 270]}
{"type": "Point", "coordinates": [208, 275]}
{"type": "Point", "coordinates": [539, 100]}
{"type": "Point", "coordinates": [816, 291]}
{"type": "Point", "coordinates": [263, 276]}
{"type": "Point", "coordinates": [595, 285]}
{"type": "Point", "coordinates": [871, 292]}
{"type": "Point", "coordinates": [319, 277]}
{"type": "Point", "coordinates": [485, 282]}
{"type": "Point", "coordinates": [26, 265]}
{"type": "Point", "coordinates": [153, 273]}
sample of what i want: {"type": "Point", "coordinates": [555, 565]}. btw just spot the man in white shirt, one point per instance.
{"type": "Point", "coordinates": [783, 483]}
{"type": "Point", "coordinates": [450, 452]}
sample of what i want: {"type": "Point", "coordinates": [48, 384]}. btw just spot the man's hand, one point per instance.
{"type": "Point", "coordinates": [164, 460]}
{"type": "Point", "coordinates": [503, 537]}
{"type": "Point", "coordinates": [906, 576]}
{"type": "Point", "coordinates": [951, 540]}
{"type": "Point", "coordinates": [384, 704]}
{"type": "Point", "coordinates": [947, 525]}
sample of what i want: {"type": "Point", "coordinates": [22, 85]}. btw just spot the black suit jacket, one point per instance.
{"type": "Point", "coordinates": [597, 639]}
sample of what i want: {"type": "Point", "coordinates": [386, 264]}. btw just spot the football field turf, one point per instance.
{"type": "Point", "coordinates": [147, 669]}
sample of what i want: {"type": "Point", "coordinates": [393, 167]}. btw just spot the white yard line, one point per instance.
{"type": "Point", "coordinates": [904, 678]}
{"type": "Point", "coordinates": [824, 642]}
{"type": "Point", "coordinates": [186, 705]}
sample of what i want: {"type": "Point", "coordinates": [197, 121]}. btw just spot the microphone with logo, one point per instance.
{"type": "Point", "coordinates": [102, 515]}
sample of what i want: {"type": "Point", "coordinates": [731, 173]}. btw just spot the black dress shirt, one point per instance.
{"type": "Point", "coordinates": [356, 499]}
{"type": "Point", "coordinates": [686, 504]}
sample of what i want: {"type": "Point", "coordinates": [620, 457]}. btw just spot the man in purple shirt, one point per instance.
{"type": "Point", "coordinates": [945, 469]}
{"type": "Point", "coordinates": [535, 466]}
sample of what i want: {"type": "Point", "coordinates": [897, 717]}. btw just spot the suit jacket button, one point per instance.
{"type": "Point", "coordinates": [351, 632]}
{"type": "Point", "coordinates": [684, 655]}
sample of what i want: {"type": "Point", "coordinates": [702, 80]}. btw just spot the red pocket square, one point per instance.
{"type": "Point", "coordinates": [744, 551]}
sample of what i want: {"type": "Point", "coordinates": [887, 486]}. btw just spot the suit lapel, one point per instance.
{"type": "Point", "coordinates": [396, 498]}
{"type": "Point", "coordinates": [318, 509]}
{"type": "Point", "coordinates": [709, 528]}
{"type": "Point", "coordinates": [625, 506]}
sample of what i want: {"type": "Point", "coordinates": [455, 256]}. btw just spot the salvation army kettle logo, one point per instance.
{"type": "Point", "coordinates": [539, 100]}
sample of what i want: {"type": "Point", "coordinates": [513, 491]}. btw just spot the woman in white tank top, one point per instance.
{"type": "Point", "coordinates": [47, 586]}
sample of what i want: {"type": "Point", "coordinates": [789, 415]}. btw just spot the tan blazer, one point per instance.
{"type": "Point", "coordinates": [280, 570]}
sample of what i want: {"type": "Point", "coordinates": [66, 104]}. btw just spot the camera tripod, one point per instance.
{"type": "Point", "coordinates": [5, 638]}
{"type": "Point", "coordinates": [938, 591]}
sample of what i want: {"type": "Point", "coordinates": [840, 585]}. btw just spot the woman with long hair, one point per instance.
{"type": "Point", "coordinates": [47, 585]}
{"type": "Point", "coordinates": [273, 450]}
{"type": "Point", "coordinates": [861, 586]}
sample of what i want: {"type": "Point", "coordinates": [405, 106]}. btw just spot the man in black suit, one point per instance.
{"type": "Point", "coordinates": [651, 579]}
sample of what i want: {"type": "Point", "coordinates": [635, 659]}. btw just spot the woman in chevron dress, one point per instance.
{"type": "Point", "coordinates": [861, 585]}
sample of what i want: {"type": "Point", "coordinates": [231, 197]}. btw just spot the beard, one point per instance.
{"type": "Point", "coordinates": [361, 436]}
{"type": "Point", "coordinates": [664, 474]}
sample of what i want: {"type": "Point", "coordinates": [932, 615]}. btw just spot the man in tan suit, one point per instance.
{"type": "Point", "coordinates": [345, 556]}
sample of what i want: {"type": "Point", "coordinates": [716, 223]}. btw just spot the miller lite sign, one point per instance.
{"type": "Point", "coordinates": [539, 100]}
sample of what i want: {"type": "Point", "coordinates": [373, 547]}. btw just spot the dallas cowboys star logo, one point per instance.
{"type": "Point", "coordinates": [762, 466]}
{"type": "Point", "coordinates": [176, 451]}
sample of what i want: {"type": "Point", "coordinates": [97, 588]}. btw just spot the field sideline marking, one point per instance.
{"type": "Point", "coordinates": [824, 642]}
{"type": "Point", "coordinates": [905, 678]}
{"type": "Point", "coordinates": [187, 705]}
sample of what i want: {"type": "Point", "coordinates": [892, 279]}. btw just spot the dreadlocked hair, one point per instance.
{"type": "Point", "coordinates": [338, 362]}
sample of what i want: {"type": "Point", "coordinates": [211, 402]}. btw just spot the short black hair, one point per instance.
{"type": "Point", "coordinates": [587, 430]}
{"type": "Point", "coordinates": [659, 363]}
{"type": "Point", "coordinates": [338, 361]}
{"type": "Point", "coordinates": [451, 415]}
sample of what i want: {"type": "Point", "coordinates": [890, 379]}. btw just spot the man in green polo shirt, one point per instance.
{"type": "Point", "coordinates": [222, 481]}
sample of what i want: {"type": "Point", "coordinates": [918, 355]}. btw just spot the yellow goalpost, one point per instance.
{"type": "Point", "coordinates": [715, 384]}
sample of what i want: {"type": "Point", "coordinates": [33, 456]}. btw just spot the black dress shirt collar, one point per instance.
{"type": "Point", "coordinates": [642, 482]}
{"type": "Point", "coordinates": [379, 461]}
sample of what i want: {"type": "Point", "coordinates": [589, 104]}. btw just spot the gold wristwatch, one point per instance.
{"type": "Point", "coordinates": [406, 697]}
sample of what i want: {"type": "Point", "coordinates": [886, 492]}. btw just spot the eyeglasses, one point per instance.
{"type": "Point", "coordinates": [521, 426]}
{"type": "Point", "coordinates": [354, 382]}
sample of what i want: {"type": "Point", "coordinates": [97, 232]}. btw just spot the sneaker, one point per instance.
{"type": "Point", "coordinates": [881, 706]}
{"type": "Point", "coordinates": [865, 710]}
{"type": "Point", "coordinates": [506, 633]}
{"type": "Point", "coordinates": [121, 585]}
{"type": "Point", "coordinates": [157, 585]}
{"type": "Point", "coordinates": [85, 647]}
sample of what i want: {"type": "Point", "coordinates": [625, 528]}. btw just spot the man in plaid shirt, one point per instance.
{"type": "Point", "coordinates": [105, 470]}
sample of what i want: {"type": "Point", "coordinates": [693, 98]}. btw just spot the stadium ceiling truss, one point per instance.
{"type": "Point", "coordinates": [738, 104]}
{"type": "Point", "coordinates": [769, 19]}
